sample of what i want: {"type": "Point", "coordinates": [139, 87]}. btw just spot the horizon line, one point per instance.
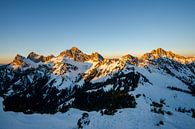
{"type": "Point", "coordinates": [7, 60]}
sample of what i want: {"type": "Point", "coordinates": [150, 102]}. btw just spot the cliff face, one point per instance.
{"type": "Point", "coordinates": [77, 55]}
{"type": "Point", "coordinates": [160, 53]}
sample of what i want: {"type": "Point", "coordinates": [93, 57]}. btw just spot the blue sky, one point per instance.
{"type": "Point", "coordinates": [111, 27]}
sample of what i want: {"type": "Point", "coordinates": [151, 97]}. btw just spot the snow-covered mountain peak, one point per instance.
{"type": "Point", "coordinates": [33, 54]}
{"type": "Point", "coordinates": [161, 53]}
{"type": "Point", "coordinates": [73, 51]}
{"type": "Point", "coordinates": [18, 57]}
{"type": "Point", "coordinates": [129, 58]}
{"type": "Point", "coordinates": [76, 50]}
{"type": "Point", "coordinates": [158, 53]}
{"type": "Point", "coordinates": [77, 55]}
{"type": "Point", "coordinates": [22, 62]}
{"type": "Point", "coordinates": [96, 57]}
{"type": "Point", "coordinates": [18, 61]}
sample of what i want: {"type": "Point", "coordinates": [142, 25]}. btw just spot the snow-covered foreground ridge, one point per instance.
{"type": "Point", "coordinates": [156, 90]}
{"type": "Point", "coordinates": [135, 118]}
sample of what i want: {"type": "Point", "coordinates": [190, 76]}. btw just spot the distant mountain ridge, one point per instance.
{"type": "Point", "coordinates": [161, 53]}
{"type": "Point", "coordinates": [75, 60]}
{"type": "Point", "coordinates": [160, 82]}
{"type": "Point", "coordinates": [77, 55]}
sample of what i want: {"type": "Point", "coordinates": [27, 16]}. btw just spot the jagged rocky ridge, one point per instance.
{"type": "Point", "coordinates": [89, 82]}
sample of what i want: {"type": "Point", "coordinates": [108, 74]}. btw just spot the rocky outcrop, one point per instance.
{"type": "Point", "coordinates": [77, 55]}
{"type": "Point", "coordinates": [39, 58]}
{"type": "Point", "coordinates": [161, 53]}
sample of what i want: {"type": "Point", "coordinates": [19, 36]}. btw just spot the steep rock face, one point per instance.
{"type": "Point", "coordinates": [161, 53]}
{"type": "Point", "coordinates": [39, 58]}
{"type": "Point", "coordinates": [48, 58]}
{"type": "Point", "coordinates": [96, 57]}
{"type": "Point", "coordinates": [131, 59]}
{"type": "Point", "coordinates": [35, 57]}
{"type": "Point", "coordinates": [19, 62]}
{"type": "Point", "coordinates": [77, 55]}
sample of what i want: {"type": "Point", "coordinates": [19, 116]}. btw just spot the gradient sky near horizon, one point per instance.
{"type": "Point", "coordinates": [111, 27]}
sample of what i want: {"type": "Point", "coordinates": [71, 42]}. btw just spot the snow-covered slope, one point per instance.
{"type": "Point", "coordinates": [154, 91]}
{"type": "Point", "coordinates": [129, 118]}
